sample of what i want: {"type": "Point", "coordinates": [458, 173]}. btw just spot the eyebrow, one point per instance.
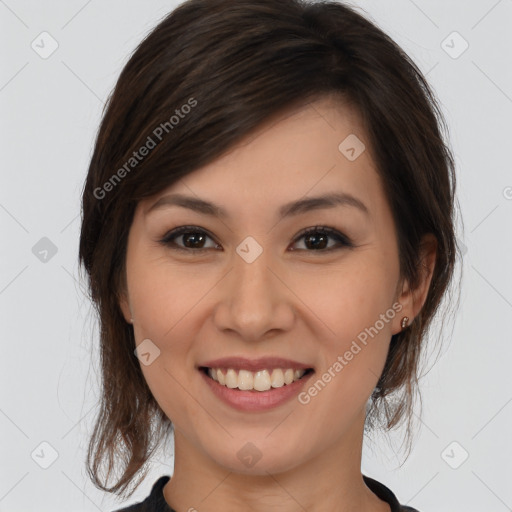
{"type": "Point", "coordinates": [289, 209]}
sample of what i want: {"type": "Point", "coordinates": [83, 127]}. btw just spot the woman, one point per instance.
{"type": "Point", "coordinates": [268, 232]}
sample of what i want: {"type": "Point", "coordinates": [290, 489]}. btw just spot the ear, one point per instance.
{"type": "Point", "coordinates": [124, 304]}
{"type": "Point", "coordinates": [412, 300]}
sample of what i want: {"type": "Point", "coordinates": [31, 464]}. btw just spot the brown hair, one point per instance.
{"type": "Point", "coordinates": [210, 73]}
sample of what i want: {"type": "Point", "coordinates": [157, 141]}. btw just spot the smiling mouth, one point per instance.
{"type": "Point", "coordinates": [262, 380]}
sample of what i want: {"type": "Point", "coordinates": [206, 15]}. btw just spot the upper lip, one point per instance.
{"type": "Point", "coordinates": [262, 363]}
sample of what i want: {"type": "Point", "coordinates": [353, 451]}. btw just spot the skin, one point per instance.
{"type": "Point", "coordinates": [307, 305]}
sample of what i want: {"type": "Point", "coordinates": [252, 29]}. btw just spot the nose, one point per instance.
{"type": "Point", "coordinates": [255, 299]}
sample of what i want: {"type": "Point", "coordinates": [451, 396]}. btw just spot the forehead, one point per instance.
{"type": "Point", "coordinates": [319, 147]}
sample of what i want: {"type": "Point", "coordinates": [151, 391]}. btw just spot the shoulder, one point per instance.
{"type": "Point", "coordinates": [385, 494]}
{"type": "Point", "coordinates": [154, 502]}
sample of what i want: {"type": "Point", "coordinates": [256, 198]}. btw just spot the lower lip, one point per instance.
{"type": "Point", "coordinates": [256, 400]}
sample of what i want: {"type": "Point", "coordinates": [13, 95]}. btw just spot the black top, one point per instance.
{"type": "Point", "coordinates": [155, 502]}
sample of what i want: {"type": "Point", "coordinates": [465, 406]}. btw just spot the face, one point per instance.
{"type": "Point", "coordinates": [315, 285]}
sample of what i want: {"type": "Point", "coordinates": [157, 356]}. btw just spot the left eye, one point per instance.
{"type": "Point", "coordinates": [315, 238]}
{"type": "Point", "coordinates": [318, 235]}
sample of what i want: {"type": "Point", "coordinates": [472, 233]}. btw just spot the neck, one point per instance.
{"type": "Point", "coordinates": [328, 482]}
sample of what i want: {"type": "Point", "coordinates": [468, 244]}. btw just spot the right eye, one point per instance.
{"type": "Point", "coordinates": [189, 235]}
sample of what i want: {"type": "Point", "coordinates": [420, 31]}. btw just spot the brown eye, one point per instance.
{"type": "Point", "coordinates": [192, 238]}
{"type": "Point", "coordinates": [317, 239]}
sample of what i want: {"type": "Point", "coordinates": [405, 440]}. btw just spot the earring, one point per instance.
{"type": "Point", "coordinates": [405, 319]}
{"type": "Point", "coordinates": [131, 320]}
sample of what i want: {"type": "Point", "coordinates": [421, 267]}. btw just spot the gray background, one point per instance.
{"type": "Point", "coordinates": [51, 109]}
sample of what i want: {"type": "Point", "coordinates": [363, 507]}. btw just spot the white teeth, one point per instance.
{"type": "Point", "coordinates": [288, 376]}
{"type": "Point", "coordinates": [231, 379]}
{"type": "Point", "coordinates": [277, 378]}
{"type": "Point", "coordinates": [245, 380]}
{"type": "Point", "coordinates": [261, 380]}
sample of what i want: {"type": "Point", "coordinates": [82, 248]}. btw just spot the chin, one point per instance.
{"type": "Point", "coordinates": [258, 459]}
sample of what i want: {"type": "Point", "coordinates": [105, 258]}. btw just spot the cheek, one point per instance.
{"type": "Point", "coordinates": [170, 304]}
{"type": "Point", "coordinates": [352, 297]}
{"type": "Point", "coordinates": [164, 304]}
{"type": "Point", "coordinates": [162, 293]}
{"type": "Point", "coordinates": [354, 302]}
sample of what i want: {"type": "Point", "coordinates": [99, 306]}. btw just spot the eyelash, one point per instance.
{"type": "Point", "coordinates": [168, 239]}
